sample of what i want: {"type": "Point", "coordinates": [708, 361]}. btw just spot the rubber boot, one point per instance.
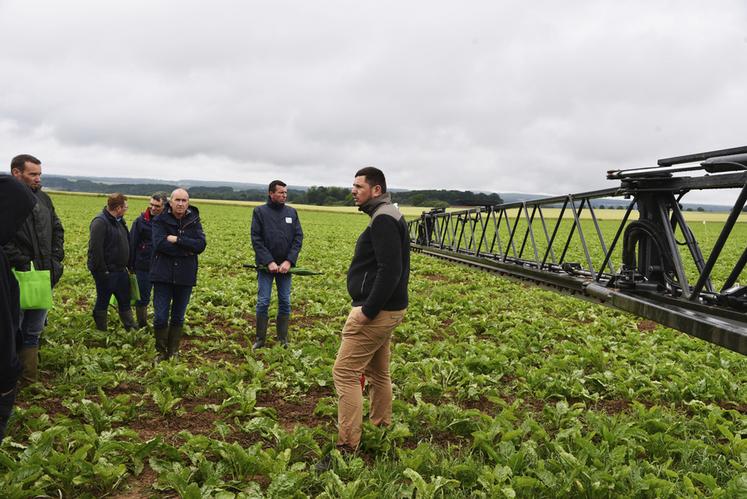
{"type": "Point", "coordinates": [30, 359]}
{"type": "Point", "coordinates": [162, 344]}
{"type": "Point", "coordinates": [101, 320]}
{"type": "Point", "coordinates": [175, 337]}
{"type": "Point", "coordinates": [141, 312]}
{"type": "Point", "coordinates": [282, 326]}
{"type": "Point", "coordinates": [262, 321]}
{"type": "Point", "coordinates": [127, 320]}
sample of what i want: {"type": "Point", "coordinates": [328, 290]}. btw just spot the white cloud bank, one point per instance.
{"type": "Point", "coordinates": [504, 96]}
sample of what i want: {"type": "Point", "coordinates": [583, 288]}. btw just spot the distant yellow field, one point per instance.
{"type": "Point", "coordinates": [415, 211]}
{"type": "Point", "coordinates": [408, 211]}
{"type": "Point", "coordinates": [690, 216]}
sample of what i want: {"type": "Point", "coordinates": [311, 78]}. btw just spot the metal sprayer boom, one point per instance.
{"type": "Point", "coordinates": [653, 266]}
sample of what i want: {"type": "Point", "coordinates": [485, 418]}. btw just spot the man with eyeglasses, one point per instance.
{"type": "Point", "coordinates": [141, 252]}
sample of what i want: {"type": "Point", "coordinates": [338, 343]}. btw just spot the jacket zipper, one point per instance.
{"type": "Point", "coordinates": [363, 284]}
{"type": "Point", "coordinates": [189, 222]}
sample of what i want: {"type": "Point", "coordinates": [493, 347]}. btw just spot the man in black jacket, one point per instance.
{"type": "Point", "coordinates": [377, 283]}
{"type": "Point", "coordinates": [38, 241]}
{"type": "Point", "coordinates": [277, 238]}
{"type": "Point", "coordinates": [108, 257]}
{"type": "Point", "coordinates": [16, 203]}
{"type": "Point", "coordinates": [141, 253]}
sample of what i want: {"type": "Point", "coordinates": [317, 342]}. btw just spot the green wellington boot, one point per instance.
{"type": "Point", "coordinates": [162, 344]}
{"type": "Point", "coordinates": [30, 359]}
{"type": "Point", "coordinates": [175, 337]}
{"type": "Point", "coordinates": [100, 317]}
{"type": "Point", "coordinates": [141, 312]}
{"type": "Point", "coordinates": [282, 327]}
{"type": "Point", "coordinates": [127, 320]}
{"type": "Point", "coordinates": [262, 321]}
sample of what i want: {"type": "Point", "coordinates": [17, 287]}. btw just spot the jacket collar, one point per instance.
{"type": "Point", "coordinates": [108, 215]}
{"type": "Point", "coordinates": [274, 205]}
{"type": "Point", "coordinates": [191, 212]}
{"type": "Point", "coordinates": [370, 206]}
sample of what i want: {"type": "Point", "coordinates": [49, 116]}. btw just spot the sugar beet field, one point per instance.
{"type": "Point", "coordinates": [501, 390]}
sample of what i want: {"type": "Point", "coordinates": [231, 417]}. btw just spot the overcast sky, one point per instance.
{"type": "Point", "coordinates": [540, 96]}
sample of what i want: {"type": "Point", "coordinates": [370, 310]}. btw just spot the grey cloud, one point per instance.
{"type": "Point", "coordinates": [506, 96]}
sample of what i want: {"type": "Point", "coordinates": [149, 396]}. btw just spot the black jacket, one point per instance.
{"type": "Point", "coordinates": [141, 241]}
{"type": "Point", "coordinates": [109, 244]}
{"type": "Point", "coordinates": [176, 263]}
{"type": "Point", "coordinates": [16, 203]}
{"type": "Point", "coordinates": [39, 239]}
{"type": "Point", "coordinates": [380, 270]}
{"type": "Point", "coordinates": [276, 234]}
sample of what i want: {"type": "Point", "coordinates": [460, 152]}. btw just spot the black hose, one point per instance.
{"type": "Point", "coordinates": [634, 234]}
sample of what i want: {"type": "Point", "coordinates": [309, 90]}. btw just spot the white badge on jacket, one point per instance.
{"type": "Point", "coordinates": [288, 220]}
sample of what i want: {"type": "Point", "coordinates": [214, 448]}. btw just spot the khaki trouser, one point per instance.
{"type": "Point", "coordinates": [364, 350]}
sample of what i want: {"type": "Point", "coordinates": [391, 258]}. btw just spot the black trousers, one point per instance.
{"type": "Point", "coordinates": [6, 408]}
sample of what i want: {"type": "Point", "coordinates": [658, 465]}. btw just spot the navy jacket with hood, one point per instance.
{"type": "Point", "coordinates": [176, 263]}
{"type": "Point", "coordinates": [141, 241]}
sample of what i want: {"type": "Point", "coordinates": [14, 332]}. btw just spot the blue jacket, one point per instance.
{"type": "Point", "coordinates": [276, 234]}
{"type": "Point", "coordinates": [141, 241]}
{"type": "Point", "coordinates": [176, 263]}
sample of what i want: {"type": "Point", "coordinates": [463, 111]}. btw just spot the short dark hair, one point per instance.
{"type": "Point", "coordinates": [374, 177]}
{"type": "Point", "coordinates": [160, 196]}
{"type": "Point", "coordinates": [115, 200]}
{"type": "Point", "coordinates": [19, 162]}
{"type": "Point", "coordinates": [276, 183]}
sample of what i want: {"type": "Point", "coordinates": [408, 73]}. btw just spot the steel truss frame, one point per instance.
{"type": "Point", "coordinates": [640, 270]}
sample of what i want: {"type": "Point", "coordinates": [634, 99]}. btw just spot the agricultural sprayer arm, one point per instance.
{"type": "Point", "coordinates": [649, 262]}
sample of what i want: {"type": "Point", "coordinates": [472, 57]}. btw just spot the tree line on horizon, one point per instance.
{"type": "Point", "coordinates": [314, 195]}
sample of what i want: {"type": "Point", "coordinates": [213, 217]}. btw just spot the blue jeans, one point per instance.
{"type": "Point", "coordinates": [144, 285]}
{"type": "Point", "coordinates": [31, 324]}
{"type": "Point", "coordinates": [112, 283]}
{"type": "Point", "coordinates": [264, 292]}
{"type": "Point", "coordinates": [169, 298]}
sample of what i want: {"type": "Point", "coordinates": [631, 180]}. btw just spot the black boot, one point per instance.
{"type": "Point", "coordinates": [282, 326]}
{"type": "Point", "coordinates": [175, 337]}
{"type": "Point", "coordinates": [141, 312]}
{"type": "Point", "coordinates": [162, 344]}
{"type": "Point", "coordinates": [101, 320]}
{"type": "Point", "coordinates": [125, 315]}
{"type": "Point", "coordinates": [262, 321]}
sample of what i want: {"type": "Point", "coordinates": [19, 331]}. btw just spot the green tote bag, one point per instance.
{"type": "Point", "coordinates": [134, 292]}
{"type": "Point", "coordinates": [36, 288]}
